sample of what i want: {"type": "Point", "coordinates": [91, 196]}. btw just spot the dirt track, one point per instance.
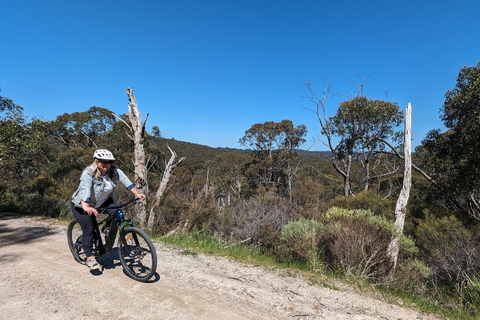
{"type": "Point", "coordinates": [40, 280]}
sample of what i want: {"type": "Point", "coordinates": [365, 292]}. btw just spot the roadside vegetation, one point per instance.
{"type": "Point", "coordinates": [324, 214]}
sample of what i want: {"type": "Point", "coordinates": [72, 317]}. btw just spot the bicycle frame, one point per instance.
{"type": "Point", "coordinates": [117, 224]}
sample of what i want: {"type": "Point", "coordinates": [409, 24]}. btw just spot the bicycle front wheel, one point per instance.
{"type": "Point", "coordinates": [137, 254]}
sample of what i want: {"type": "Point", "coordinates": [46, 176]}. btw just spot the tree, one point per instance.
{"type": "Point", "coordinates": [21, 147]}
{"type": "Point", "coordinates": [137, 136]}
{"type": "Point", "coordinates": [269, 136]}
{"type": "Point", "coordinates": [401, 207]}
{"type": "Point", "coordinates": [454, 156]}
{"type": "Point", "coordinates": [7, 104]}
{"type": "Point", "coordinates": [156, 132]}
{"type": "Point", "coordinates": [341, 162]}
{"type": "Point", "coordinates": [363, 124]}
{"type": "Point", "coordinates": [273, 147]}
{"type": "Point", "coordinates": [226, 173]}
{"type": "Point", "coordinates": [82, 128]}
{"type": "Point", "coordinates": [170, 166]}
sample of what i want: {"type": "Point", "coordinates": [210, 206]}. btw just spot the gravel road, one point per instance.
{"type": "Point", "coordinates": [40, 280]}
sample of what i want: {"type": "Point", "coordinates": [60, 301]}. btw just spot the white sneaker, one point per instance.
{"type": "Point", "coordinates": [93, 264]}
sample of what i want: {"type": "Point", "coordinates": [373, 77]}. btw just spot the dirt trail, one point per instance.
{"type": "Point", "coordinates": [40, 280]}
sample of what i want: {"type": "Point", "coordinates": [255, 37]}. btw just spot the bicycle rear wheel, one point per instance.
{"type": "Point", "coordinates": [74, 238]}
{"type": "Point", "coordinates": [137, 254]}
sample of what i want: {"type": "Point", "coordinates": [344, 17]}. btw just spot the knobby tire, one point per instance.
{"type": "Point", "coordinates": [137, 254]}
{"type": "Point", "coordinates": [74, 238]}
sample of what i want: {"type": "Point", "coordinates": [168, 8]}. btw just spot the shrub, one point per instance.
{"type": "Point", "coordinates": [451, 250]}
{"type": "Point", "coordinates": [39, 205]}
{"type": "Point", "coordinates": [251, 218]}
{"type": "Point", "coordinates": [169, 214]}
{"type": "Point", "coordinates": [202, 214]}
{"type": "Point", "coordinates": [311, 196]}
{"type": "Point", "coordinates": [9, 201]}
{"type": "Point", "coordinates": [299, 241]}
{"type": "Point", "coordinates": [35, 204]}
{"type": "Point", "coordinates": [410, 276]}
{"type": "Point", "coordinates": [472, 294]}
{"type": "Point", "coordinates": [367, 200]}
{"type": "Point", "coordinates": [357, 241]}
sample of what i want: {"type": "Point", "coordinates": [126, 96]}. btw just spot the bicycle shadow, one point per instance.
{"type": "Point", "coordinates": [112, 261]}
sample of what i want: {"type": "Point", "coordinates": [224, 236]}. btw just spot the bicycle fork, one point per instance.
{"type": "Point", "coordinates": [125, 238]}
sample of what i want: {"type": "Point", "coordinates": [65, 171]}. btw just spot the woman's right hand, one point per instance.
{"type": "Point", "coordinates": [89, 210]}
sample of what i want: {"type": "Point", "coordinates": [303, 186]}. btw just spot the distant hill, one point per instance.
{"type": "Point", "coordinates": [326, 155]}
{"type": "Point", "coordinates": [198, 154]}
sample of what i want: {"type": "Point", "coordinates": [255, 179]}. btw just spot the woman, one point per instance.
{"type": "Point", "coordinates": [102, 177]}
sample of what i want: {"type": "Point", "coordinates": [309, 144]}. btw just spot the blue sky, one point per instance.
{"type": "Point", "coordinates": [206, 71]}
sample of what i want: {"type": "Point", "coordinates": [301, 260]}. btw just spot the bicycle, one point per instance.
{"type": "Point", "coordinates": [135, 249]}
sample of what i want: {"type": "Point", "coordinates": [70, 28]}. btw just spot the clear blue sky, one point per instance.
{"type": "Point", "coordinates": [208, 70]}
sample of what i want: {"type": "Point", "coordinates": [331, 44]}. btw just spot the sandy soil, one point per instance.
{"type": "Point", "coordinates": [40, 280]}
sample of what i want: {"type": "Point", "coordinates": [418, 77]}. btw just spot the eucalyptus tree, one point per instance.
{"type": "Point", "coordinates": [227, 175]}
{"type": "Point", "coordinates": [357, 128]}
{"type": "Point", "coordinates": [22, 146]}
{"type": "Point", "coordinates": [341, 162]}
{"type": "Point", "coordinates": [82, 129]}
{"type": "Point", "coordinates": [454, 155]}
{"type": "Point", "coordinates": [7, 104]}
{"type": "Point", "coordinates": [274, 145]}
{"type": "Point", "coordinates": [269, 136]}
{"type": "Point", "coordinates": [363, 125]}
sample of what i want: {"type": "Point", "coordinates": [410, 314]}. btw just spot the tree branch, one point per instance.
{"type": "Point", "coordinates": [424, 174]}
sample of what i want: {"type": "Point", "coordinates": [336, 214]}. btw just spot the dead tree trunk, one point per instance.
{"type": "Point", "coordinates": [171, 165]}
{"type": "Point", "coordinates": [137, 129]}
{"type": "Point", "coordinates": [401, 207]}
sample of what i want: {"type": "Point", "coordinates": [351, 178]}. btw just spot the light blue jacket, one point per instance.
{"type": "Point", "coordinates": [90, 183]}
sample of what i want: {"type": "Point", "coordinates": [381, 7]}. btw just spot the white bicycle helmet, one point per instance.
{"type": "Point", "coordinates": [103, 154]}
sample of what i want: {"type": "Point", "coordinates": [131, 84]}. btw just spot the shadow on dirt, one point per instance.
{"type": "Point", "coordinates": [21, 234]}
{"type": "Point", "coordinates": [112, 261]}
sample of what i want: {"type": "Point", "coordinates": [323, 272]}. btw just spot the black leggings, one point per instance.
{"type": "Point", "coordinates": [88, 224]}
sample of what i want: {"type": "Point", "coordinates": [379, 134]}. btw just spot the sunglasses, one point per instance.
{"type": "Point", "coordinates": [105, 161]}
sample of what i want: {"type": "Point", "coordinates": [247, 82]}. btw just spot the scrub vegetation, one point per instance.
{"type": "Point", "coordinates": [327, 213]}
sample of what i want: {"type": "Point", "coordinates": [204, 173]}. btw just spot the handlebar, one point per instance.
{"type": "Point", "coordinates": [105, 209]}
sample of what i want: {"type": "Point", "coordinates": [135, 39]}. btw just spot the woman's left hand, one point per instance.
{"type": "Point", "coordinates": [138, 195]}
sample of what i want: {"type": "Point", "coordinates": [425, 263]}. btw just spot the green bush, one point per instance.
{"type": "Point", "coordinates": [299, 241]}
{"type": "Point", "coordinates": [169, 214]}
{"type": "Point", "coordinates": [367, 200]}
{"type": "Point", "coordinates": [356, 242]}
{"type": "Point", "coordinates": [410, 277]}
{"type": "Point", "coordinates": [472, 294]}
{"type": "Point", "coordinates": [9, 201]}
{"type": "Point", "coordinates": [452, 252]}
{"type": "Point", "coordinates": [35, 204]}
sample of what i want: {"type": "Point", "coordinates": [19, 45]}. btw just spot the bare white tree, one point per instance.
{"type": "Point", "coordinates": [170, 166]}
{"type": "Point", "coordinates": [401, 207]}
{"type": "Point", "coordinates": [137, 136]}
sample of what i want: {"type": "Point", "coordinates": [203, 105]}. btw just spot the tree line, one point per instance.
{"type": "Point", "coordinates": [333, 214]}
